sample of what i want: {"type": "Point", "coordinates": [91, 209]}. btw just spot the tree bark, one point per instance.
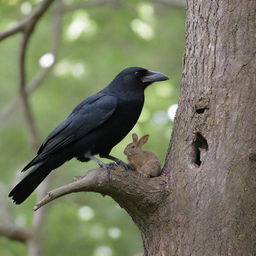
{"type": "Point", "coordinates": [212, 157]}
{"type": "Point", "coordinates": [204, 202]}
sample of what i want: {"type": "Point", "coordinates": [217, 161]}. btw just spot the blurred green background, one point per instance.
{"type": "Point", "coordinates": [96, 43]}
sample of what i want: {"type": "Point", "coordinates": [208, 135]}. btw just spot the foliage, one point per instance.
{"type": "Point", "coordinates": [113, 37]}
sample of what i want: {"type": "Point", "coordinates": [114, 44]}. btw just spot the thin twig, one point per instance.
{"type": "Point", "coordinates": [25, 105]}
{"type": "Point", "coordinates": [14, 30]}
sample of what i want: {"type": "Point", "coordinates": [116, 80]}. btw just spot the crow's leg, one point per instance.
{"type": "Point", "coordinates": [93, 158]}
{"type": "Point", "coordinates": [120, 162]}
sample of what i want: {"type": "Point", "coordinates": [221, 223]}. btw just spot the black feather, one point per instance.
{"type": "Point", "coordinates": [31, 181]}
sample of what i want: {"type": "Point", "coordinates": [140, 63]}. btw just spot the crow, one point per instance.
{"type": "Point", "coordinates": [94, 127]}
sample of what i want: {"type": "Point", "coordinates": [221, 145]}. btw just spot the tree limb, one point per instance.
{"type": "Point", "coordinates": [28, 29]}
{"type": "Point", "coordinates": [25, 105]}
{"type": "Point", "coordinates": [83, 184]}
{"type": "Point", "coordinates": [128, 188]}
{"type": "Point", "coordinates": [15, 233]}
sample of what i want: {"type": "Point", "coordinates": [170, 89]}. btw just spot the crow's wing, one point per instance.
{"type": "Point", "coordinates": [87, 116]}
{"type": "Point", "coordinates": [59, 130]}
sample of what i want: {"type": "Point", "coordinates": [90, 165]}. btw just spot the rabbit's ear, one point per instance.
{"type": "Point", "coordinates": [135, 137]}
{"type": "Point", "coordinates": [143, 140]}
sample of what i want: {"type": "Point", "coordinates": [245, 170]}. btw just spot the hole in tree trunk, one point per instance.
{"type": "Point", "coordinates": [200, 110]}
{"type": "Point", "coordinates": [200, 146]}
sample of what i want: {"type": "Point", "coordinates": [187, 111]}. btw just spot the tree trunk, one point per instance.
{"type": "Point", "coordinates": [211, 164]}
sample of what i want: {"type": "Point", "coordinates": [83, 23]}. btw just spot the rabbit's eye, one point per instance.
{"type": "Point", "coordinates": [133, 146]}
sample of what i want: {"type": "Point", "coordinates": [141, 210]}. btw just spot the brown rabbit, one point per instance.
{"type": "Point", "coordinates": [145, 162]}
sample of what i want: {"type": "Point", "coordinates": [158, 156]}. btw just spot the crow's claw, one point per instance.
{"type": "Point", "coordinates": [126, 166]}
{"type": "Point", "coordinates": [131, 167]}
{"type": "Point", "coordinates": [110, 166]}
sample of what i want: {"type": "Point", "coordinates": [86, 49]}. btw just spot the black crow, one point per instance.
{"type": "Point", "coordinates": [94, 127]}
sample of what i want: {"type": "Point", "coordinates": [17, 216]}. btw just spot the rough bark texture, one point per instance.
{"type": "Point", "coordinates": [212, 157]}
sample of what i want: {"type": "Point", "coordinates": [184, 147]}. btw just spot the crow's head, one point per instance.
{"type": "Point", "coordinates": [136, 77]}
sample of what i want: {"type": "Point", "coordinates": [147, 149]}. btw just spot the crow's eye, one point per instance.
{"type": "Point", "coordinates": [136, 73]}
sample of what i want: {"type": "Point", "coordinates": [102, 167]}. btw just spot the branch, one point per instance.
{"type": "Point", "coordinates": [83, 184]}
{"type": "Point", "coordinates": [132, 191]}
{"type": "Point", "coordinates": [15, 233]}
{"type": "Point", "coordinates": [28, 29]}
{"type": "Point", "coordinates": [29, 21]}
{"type": "Point", "coordinates": [27, 112]}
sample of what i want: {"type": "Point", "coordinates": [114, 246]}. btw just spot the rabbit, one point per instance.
{"type": "Point", "coordinates": [145, 162]}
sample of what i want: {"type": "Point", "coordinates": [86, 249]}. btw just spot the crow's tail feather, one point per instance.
{"type": "Point", "coordinates": [28, 184]}
{"type": "Point", "coordinates": [34, 161]}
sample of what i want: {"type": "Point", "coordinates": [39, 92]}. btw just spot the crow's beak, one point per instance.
{"type": "Point", "coordinates": [153, 76]}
